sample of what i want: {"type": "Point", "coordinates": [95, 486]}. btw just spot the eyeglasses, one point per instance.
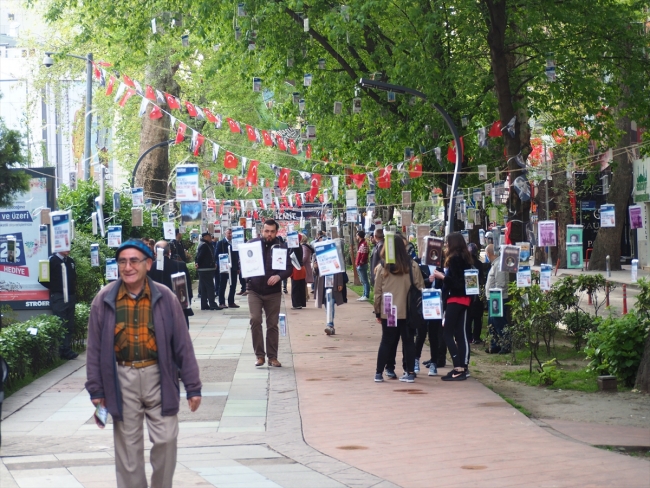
{"type": "Point", "coordinates": [132, 261]}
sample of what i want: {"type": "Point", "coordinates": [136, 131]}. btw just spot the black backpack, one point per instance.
{"type": "Point", "coordinates": [414, 304]}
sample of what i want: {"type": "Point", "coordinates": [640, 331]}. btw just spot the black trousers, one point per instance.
{"type": "Point", "coordinates": [65, 311]}
{"type": "Point", "coordinates": [242, 283]}
{"type": "Point", "coordinates": [390, 337]}
{"type": "Point", "coordinates": [298, 293]}
{"type": "Point", "coordinates": [206, 289]}
{"type": "Point", "coordinates": [217, 282]}
{"type": "Point", "coordinates": [455, 334]}
{"type": "Point", "coordinates": [474, 327]}
{"type": "Point", "coordinates": [231, 292]}
{"type": "Point", "coordinates": [434, 329]}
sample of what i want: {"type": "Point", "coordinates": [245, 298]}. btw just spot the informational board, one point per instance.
{"type": "Point", "coordinates": [187, 183]}
{"type": "Point", "coordinates": [20, 288]}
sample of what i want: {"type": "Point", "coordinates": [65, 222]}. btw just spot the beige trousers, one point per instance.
{"type": "Point", "coordinates": [270, 304]}
{"type": "Point", "coordinates": [141, 399]}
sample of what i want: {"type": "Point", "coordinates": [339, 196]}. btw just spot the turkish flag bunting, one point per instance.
{"type": "Point", "coordinates": [155, 113]}
{"type": "Point", "coordinates": [267, 138]}
{"type": "Point", "coordinates": [451, 151]}
{"type": "Point", "coordinates": [252, 172]}
{"type": "Point", "coordinates": [129, 93]}
{"type": "Point", "coordinates": [150, 93]}
{"type": "Point", "coordinates": [415, 170]}
{"type": "Point", "coordinates": [285, 202]}
{"type": "Point", "coordinates": [315, 185]}
{"type": "Point", "coordinates": [358, 179]}
{"type": "Point", "coordinates": [180, 133]}
{"type": "Point", "coordinates": [308, 155]}
{"type": "Point", "coordinates": [110, 85]}
{"type": "Point", "coordinates": [298, 201]}
{"type": "Point", "coordinates": [191, 111]}
{"type": "Point", "coordinates": [292, 147]}
{"type": "Point", "coordinates": [250, 132]}
{"type": "Point", "coordinates": [172, 102]}
{"type": "Point", "coordinates": [230, 161]}
{"type": "Point", "coordinates": [128, 81]}
{"type": "Point", "coordinates": [281, 144]}
{"type": "Point", "coordinates": [233, 125]}
{"type": "Point", "coordinates": [383, 180]}
{"type": "Point", "coordinates": [200, 139]}
{"type": "Point", "coordinates": [209, 115]}
{"type": "Point", "coordinates": [495, 130]}
{"type": "Point", "coordinates": [284, 178]}
{"type": "Point", "coordinates": [98, 74]}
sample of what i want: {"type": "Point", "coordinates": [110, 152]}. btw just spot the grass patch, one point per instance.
{"type": "Point", "coordinates": [22, 382]}
{"type": "Point", "coordinates": [513, 403]}
{"type": "Point", "coordinates": [565, 354]}
{"type": "Point", "coordinates": [358, 289]}
{"type": "Point", "coordinates": [580, 380]}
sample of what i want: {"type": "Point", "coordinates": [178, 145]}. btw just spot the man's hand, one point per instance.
{"type": "Point", "coordinates": [194, 403]}
{"type": "Point", "coordinates": [97, 401]}
{"type": "Point", "coordinates": [196, 265]}
{"type": "Point", "coordinates": [340, 288]}
{"type": "Point", "coordinates": [378, 320]}
{"type": "Point", "coordinates": [273, 280]}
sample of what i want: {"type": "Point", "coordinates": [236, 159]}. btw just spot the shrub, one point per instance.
{"type": "Point", "coordinates": [80, 332]}
{"type": "Point", "coordinates": [89, 279]}
{"type": "Point", "coordinates": [578, 324]}
{"type": "Point", "coordinates": [29, 352]}
{"type": "Point", "coordinates": [616, 346]}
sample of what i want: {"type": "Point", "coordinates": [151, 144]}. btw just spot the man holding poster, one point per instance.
{"type": "Point", "coordinates": [265, 293]}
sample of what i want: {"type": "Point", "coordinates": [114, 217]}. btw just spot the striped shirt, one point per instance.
{"type": "Point", "coordinates": [135, 338]}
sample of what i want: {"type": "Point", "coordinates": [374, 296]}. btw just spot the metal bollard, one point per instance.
{"type": "Point", "coordinates": [607, 293]}
{"type": "Point", "coordinates": [624, 300]}
{"type": "Point", "coordinates": [609, 270]}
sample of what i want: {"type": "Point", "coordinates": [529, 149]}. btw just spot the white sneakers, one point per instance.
{"type": "Point", "coordinates": [362, 299]}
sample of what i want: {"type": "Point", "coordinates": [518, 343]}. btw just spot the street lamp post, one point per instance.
{"type": "Point", "coordinates": [366, 83]}
{"type": "Point", "coordinates": [48, 61]}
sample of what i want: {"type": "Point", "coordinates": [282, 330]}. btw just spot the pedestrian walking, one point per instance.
{"type": "Point", "coordinates": [204, 263]}
{"type": "Point", "coordinates": [265, 295]}
{"type": "Point", "coordinates": [361, 264]}
{"type": "Point", "coordinates": [138, 344]}
{"type": "Point", "coordinates": [335, 283]}
{"type": "Point", "coordinates": [396, 279]}
{"type": "Point", "coordinates": [298, 280]}
{"type": "Point", "coordinates": [375, 255]}
{"type": "Point", "coordinates": [224, 246]}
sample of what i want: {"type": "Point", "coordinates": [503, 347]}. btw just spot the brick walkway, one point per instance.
{"type": "Point", "coordinates": [320, 421]}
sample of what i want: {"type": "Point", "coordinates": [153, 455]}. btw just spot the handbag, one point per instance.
{"type": "Point", "coordinates": [414, 304]}
{"type": "Point", "coordinates": [299, 274]}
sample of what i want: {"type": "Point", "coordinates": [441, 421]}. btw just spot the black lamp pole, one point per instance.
{"type": "Point", "coordinates": [160, 144]}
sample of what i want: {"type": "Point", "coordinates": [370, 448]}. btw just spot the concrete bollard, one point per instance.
{"type": "Point", "coordinates": [607, 383]}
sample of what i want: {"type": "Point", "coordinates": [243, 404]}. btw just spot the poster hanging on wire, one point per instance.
{"type": "Point", "coordinates": [187, 183]}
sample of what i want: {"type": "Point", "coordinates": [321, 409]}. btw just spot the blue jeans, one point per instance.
{"type": "Point", "coordinates": [363, 276]}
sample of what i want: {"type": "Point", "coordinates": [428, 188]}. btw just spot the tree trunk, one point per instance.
{"type": "Point", "coordinates": [153, 172]}
{"type": "Point", "coordinates": [563, 209]}
{"type": "Point", "coordinates": [643, 374]}
{"type": "Point", "coordinates": [608, 239]}
{"type": "Point", "coordinates": [503, 62]}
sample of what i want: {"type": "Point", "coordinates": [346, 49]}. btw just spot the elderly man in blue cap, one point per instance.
{"type": "Point", "coordinates": [137, 344]}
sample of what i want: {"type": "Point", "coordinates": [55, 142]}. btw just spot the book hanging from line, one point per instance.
{"type": "Point", "coordinates": [179, 284]}
{"type": "Point", "coordinates": [496, 302]}
{"type": "Point", "coordinates": [471, 281]}
{"type": "Point", "coordinates": [509, 259]}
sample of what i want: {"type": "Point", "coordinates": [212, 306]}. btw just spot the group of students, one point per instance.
{"type": "Point", "coordinates": [453, 332]}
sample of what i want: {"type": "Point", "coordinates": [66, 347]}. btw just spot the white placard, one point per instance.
{"type": "Point", "coordinates": [545, 277]}
{"type": "Point", "coordinates": [137, 197]}
{"type": "Point", "coordinates": [94, 255]}
{"type": "Point", "coordinates": [328, 259]}
{"type": "Point", "coordinates": [187, 183]}
{"type": "Point", "coordinates": [607, 216]}
{"type": "Point", "coordinates": [61, 231]}
{"type": "Point", "coordinates": [251, 260]}
{"type": "Point", "coordinates": [237, 238]}
{"type": "Point", "coordinates": [279, 259]}
{"type": "Point", "coordinates": [523, 277]}
{"type": "Point", "coordinates": [224, 263]}
{"type": "Point", "coordinates": [114, 235]}
{"type": "Point", "coordinates": [160, 259]}
{"type": "Point", "coordinates": [169, 230]}
{"type": "Point", "coordinates": [292, 239]}
{"type": "Point", "coordinates": [111, 269]}
{"type": "Point", "coordinates": [431, 304]}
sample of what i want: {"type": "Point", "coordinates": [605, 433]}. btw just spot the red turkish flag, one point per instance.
{"type": "Point", "coordinates": [281, 144]}
{"type": "Point", "coordinates": [129, 93]}
{"type": "Point", "coordinates": [149, 93]}
{"type": "Point", "coordinates": [155, 113]}
{"type": "Point", "coordinates": [284, 178]}
{"type": "Point", "coordinates": [292, 147]}
{"type": "Point", "coordinates": [110, 85]}
{"type": "Point", "coordinates": [451, 151]}
{"type": "Point", "coordinates": [358, 179]}
{"type": "Point", "coordinates": [415, 170]}
{"type": "Point", "coordinates": [252, 172]}
{"type": "Point", "coordinates": [191, 111]}
{"type": "Point", "coordinates": [315, 185]}
{"type": "Point", "coordinates": [200, 139]}
{"type": "Point", "coordinates": [308, 155]}
{"type": "Point", "coordinates": [233, 125]}
{"type": "Point", "coordinates": [383, 180]}
{"type": "Point", "coordinates": [172, 102]}
{"type": "Point", "coordinates": [128, 81]}
{"type": "Point", "coordinates": [230, 161]}
{"type": "Point", "coordinates": [267, 138]}
{"type": "Point", "coordinates": [98, 74]}
{"type": "Point", "coordinates": [250, 132]}
{"type": "Point", "coordinates": [209, 115]}
{"type": "Point", "coordinates": [180, 133]}
{"type": "Point", "coordinates": [495, 130]}
{"type": "Point", "coordinates": [298, 201]}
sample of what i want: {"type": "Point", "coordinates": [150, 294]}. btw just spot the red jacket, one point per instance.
{"type": "Point", "coordinates": [362, 253]}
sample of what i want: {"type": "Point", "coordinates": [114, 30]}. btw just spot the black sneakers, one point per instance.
{"type": "Point", "coordinates": [454, 375]}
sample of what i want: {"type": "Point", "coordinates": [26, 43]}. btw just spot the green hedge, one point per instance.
{"type": "Point", "coordinates": [29, 347]}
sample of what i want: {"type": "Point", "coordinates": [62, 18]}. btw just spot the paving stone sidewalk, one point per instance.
{"type": "Point", "coordinates": [319, 421]}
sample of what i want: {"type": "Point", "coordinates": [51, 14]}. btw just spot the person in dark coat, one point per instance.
{"type": "Point", "coordinates": [298, 284]}
{"type": "Point", "coordinates": [171, 267]}
{"type": "Point", "coordinates": [224, 246]}
{"type": "Point", "coordinates": [477, 306]}
{"type": "Point", "coordinates": [204, 262]}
